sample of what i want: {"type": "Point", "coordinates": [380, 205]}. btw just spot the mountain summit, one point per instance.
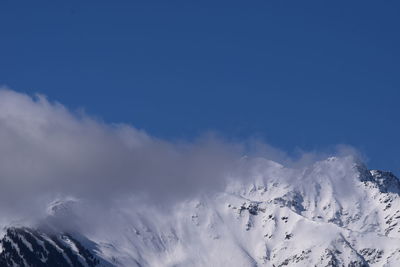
{"type": "Point", "coordinates": [333, 212]}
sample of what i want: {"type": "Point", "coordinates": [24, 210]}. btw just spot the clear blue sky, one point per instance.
{"type": "Point", "coordinates": [300, 74]}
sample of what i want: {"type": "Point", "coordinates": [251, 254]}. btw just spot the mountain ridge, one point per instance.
{"type": "Point", "coordinates": [334, 212]}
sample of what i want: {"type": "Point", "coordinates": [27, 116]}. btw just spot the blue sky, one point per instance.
{"type": "Point", "coordinates": [299, 74]}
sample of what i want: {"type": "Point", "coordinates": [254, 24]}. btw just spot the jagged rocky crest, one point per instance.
{"type": "Point", "coordinates": [29, 247]}
{"type": "Point", "coordinates": [335, 212]}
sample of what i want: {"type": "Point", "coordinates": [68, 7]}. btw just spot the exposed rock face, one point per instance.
{"type": "Point", "coordinates": [28, 247]}
{"type": "Point", "coordinates": [335, 212]}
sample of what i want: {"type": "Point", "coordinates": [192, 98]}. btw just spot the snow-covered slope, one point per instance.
{"type": "Point", "coordinates": [334, 212]}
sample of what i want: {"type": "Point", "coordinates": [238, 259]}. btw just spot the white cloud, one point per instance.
{"type": "Point", "coordinates": [47, 150]}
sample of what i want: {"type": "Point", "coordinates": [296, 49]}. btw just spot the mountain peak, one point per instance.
{"type": "Point", "coordinates": [334, 212]}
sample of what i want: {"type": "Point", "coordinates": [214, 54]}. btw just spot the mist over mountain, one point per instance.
{"type": "Point", "coordinates": [334, 212]}
{"type": "Point", "coordinates": [76, 191]}
{"type": "Point", "coordinates": [49, 151]}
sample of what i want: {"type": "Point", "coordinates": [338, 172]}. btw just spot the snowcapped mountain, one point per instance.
{"type": "Point", "coordinates": [334, 212]}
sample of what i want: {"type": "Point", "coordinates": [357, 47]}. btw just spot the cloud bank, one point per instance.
{"type": "Point", "coordinates": [46, 150]}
